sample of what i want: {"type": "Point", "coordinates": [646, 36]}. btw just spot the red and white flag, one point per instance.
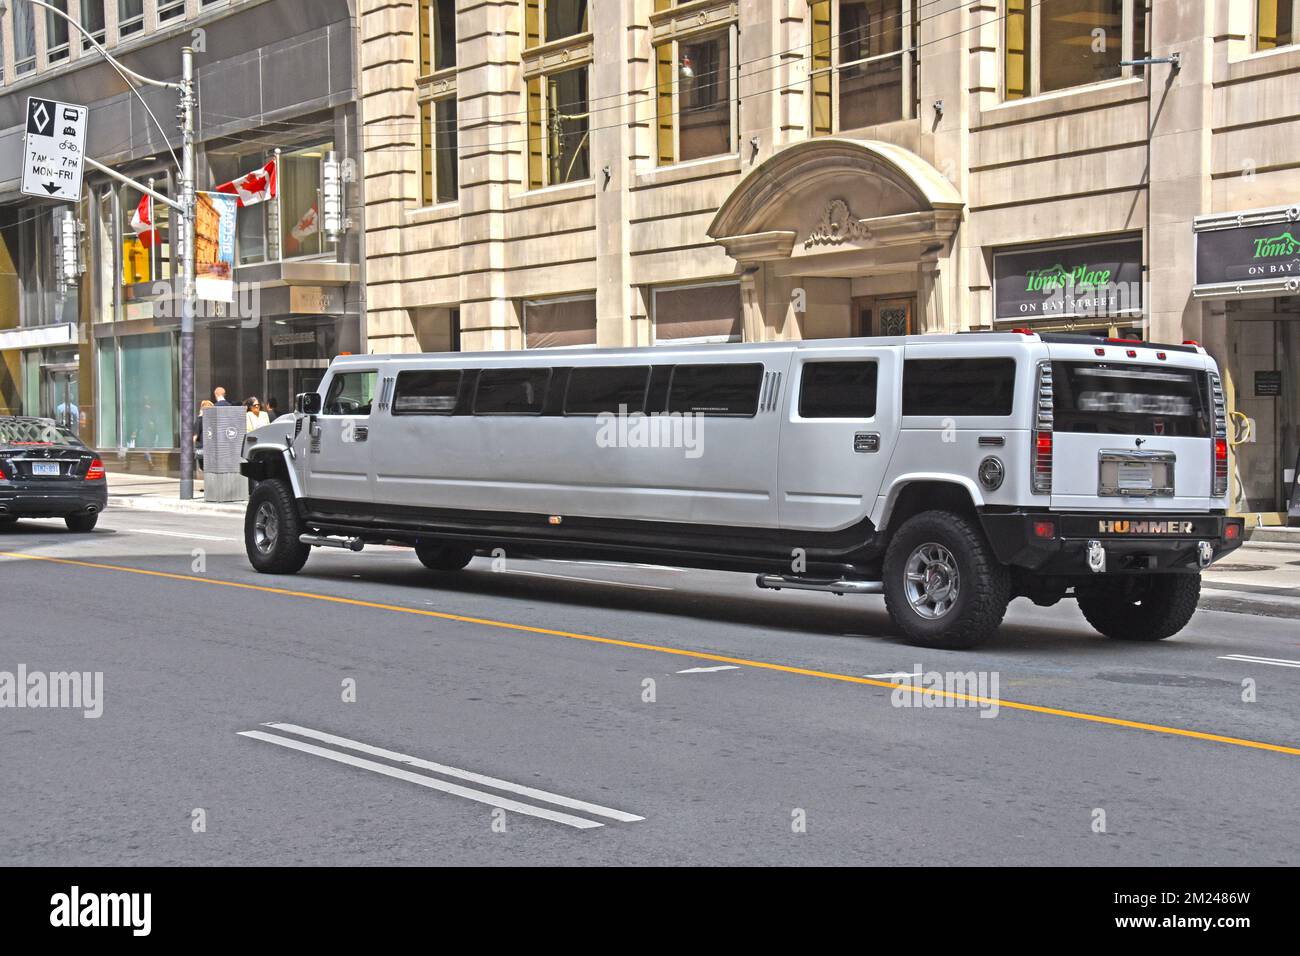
{"type": "Point", "coordinates": [252, 188]}
{"type": "Point", "coordinates": [142, 223]}
{"type": "Point", "coordinates": [306, 227]}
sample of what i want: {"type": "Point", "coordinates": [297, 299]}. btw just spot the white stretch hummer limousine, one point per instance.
{"type": "Point", "coordinates": [951, 473]}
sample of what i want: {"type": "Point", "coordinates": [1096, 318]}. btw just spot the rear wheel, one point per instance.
{"type": "Point", "coordinates": [81, 523]}
{"type": "Point", "coordinates": [1140, 607]}
{"type": "Point", "coordinates": [444, 557]}
{"type": "Point", "coordinates": [7, 523]}
{"type": "Point", "coordinates": [272, 527]}
{"type": "Point", "coordinates": [943, 585]}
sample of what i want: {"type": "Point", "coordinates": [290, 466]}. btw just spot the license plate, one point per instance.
{"type": "Point", "coordinates": [45, 469]}
{"type": "Point", "coordinates": [1134, 476]}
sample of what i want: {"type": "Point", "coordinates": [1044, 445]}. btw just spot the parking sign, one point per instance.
{"type": "Point", "coordinates": [54, 149]}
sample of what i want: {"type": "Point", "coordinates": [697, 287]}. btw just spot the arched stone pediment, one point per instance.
{"type": "Point", "coordinates": [835, 194]}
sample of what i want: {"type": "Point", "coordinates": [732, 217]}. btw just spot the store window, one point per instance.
{"type": "Point", "coordinates": [106, 394]}
{"type": "Point", "coordinates": [147, 387]}
{"type": "Point", "coordinates": [693, 84]}
{"type": "Point", "coordinates": [1275, 22]}
{"type": "Point", "coordinates": [560, 323]}
{"type": "Point", "coordinates": [863, 63]}
{"type": "Point", "coordinates": [559, 147]}
{"type": "Point", "coordinates": [146, 234]}
{"type": "Point", "coordinates": [299, 185]}
{"type": "Point", "coordinates": [1069, 43]}
{"type": "Point", "coordinates": [699, 313]}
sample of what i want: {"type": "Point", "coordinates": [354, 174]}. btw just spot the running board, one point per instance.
{"type": "Point", "coordinates": [775, 582]}
{"type": "Point", "coordinates": [319, 541]}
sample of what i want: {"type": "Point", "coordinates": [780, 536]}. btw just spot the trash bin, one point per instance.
{"type": "Point", "coordinates": [223, 441]}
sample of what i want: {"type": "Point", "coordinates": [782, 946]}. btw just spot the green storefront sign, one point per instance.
{"type": "Point", "coordinates": [1083, 281]}
{"type": "Point", "coordinates": [1262, 252]}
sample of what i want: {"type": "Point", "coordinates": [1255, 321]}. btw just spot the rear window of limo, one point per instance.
{"type": "Point", "coordinates": [721, 389]}
{"type": "Point", "coordinates": [959, 388]}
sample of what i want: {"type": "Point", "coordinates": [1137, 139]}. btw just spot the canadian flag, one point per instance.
{"type": "Point", "coordinates": [252, 188]}
{"type": "Point", "coordinates": [306, 227]}
{"type": "Point", "coordinates": [142, 223]}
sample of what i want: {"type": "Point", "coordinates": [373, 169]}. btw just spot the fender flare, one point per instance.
{"type": "Point", "coordinates": [886, 501]}
{"type": "Point", "coordinates": [283, 451]}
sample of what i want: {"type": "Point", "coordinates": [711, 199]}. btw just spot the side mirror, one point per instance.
{"type": "Point", "coordinates": [309, 403]}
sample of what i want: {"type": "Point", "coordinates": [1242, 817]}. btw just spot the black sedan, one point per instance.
{"type": "Point", "coordinates": [46, 472]}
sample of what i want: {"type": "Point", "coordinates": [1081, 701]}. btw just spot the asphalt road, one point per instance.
{"type": "Point", "coordinates": [761, 739]}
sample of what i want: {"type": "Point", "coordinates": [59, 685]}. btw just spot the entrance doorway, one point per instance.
{"type": "Point", "coordinates": [1266, 392]}
{"type": "Point", "coordinates": [884, 315]}
{"type": "Point", "coordinates": [60, 396]}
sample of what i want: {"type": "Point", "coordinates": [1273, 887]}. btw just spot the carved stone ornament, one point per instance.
{"type": "Point", "coordinates": [837, 225]}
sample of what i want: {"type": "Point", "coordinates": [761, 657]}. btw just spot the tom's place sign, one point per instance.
{"type": "Point", "coordinates": [1260, 252]}
{"type": "Point", "coordinates": [53, 149]}
{"type": "Point", "coordinates": [1093, 279]}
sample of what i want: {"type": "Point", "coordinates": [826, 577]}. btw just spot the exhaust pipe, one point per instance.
{"type": "Point", "coordinates": [321, 541]}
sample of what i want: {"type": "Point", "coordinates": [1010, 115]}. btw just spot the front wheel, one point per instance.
{"type": "Point", "coordinates": [272, 527]}
{"type": "Point", "coordinates": [1140, 607]}
{"type": "Point", "coordinates": [944, 586]}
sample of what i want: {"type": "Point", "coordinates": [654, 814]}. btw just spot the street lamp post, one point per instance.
{"type": "Point", "coordinates": [184, 209]}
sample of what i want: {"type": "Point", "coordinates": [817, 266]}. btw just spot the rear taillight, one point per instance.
{"type": "Point", "coordinates": [1219, 403]}
{"type": "Point", "coordinates": [4, 475]}
{"type": "Point", "coordinates": [96, 471]}
{"type": "Point", "coordinates": [1044, 421]}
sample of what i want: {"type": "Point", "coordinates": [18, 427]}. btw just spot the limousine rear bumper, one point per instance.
{"type": "Point", "coordinates": [1058, 542]}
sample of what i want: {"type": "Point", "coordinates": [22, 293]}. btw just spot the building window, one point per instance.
{"type": "Point", "coordinates": [147, 389]}
{"type": "Point", "coordinates": [439, 151]}
{"type": "Point", "coordinates": [694, 108]}
{"type": "Point", "coordinates": [710, 312]}
{"type": "Point", "coordinates": [92, 19]}
{"type": "Point", "coordinates": [1275, 23]}
{"type": "Point", "coordinates": [24, 21]}
{"type": "Point", "coordinates": [863, 63]}
{"type": "Point", "coordinates": [170, 10]}
{"type": "Point", "coordinates": [559, 146]}
{"type": "Point", "coordinates": [548, 20]}
{"type": "Point", "coordinates": [560, 323]}
{"type": "Point", "coordinates": [1070, 43]}
{"type": "Point", "coordinates": [299, 187]}
{"type": "Point", "coordinates": [56, 32]}
{"type": "Point", "coordinates": [130, 17]}
{"type": "Point", "coordinates": [250, 224]}
{"type": "Point", "coordinates": [437, 35]}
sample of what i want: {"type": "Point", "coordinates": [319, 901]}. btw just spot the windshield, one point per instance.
{"type": "Point", "coordinates": [1110, 399]}
{"type": "Point", "coordinates": [16, 431]}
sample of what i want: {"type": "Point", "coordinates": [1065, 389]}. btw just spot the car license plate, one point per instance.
{"type": "Point", "coordinates": [1134, 476]}
{"type": "Point", "coordinates": [45, 469]}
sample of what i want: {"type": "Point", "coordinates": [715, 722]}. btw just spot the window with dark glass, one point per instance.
{"type": "Point", "coordinates": [959, 387]}
{"type": "Point", "coordinates": [838, 390]}
{"type": "Point", "coordinates": [92, 19]}
{"type": "Point", "coordinates": [728, 390]}
{"type": "Point", "coordinates": [130, 17]}
{"type": "Point", "coordinates": [593, 391]}
{"type": "Point", "coordinates": [863, 62]}
{"type": "Point", "coordinates": [511, 391]}
{"type": "Point", "coordinates": [431, 392]}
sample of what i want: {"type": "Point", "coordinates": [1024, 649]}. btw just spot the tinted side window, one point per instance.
{"type": "Point", "coordinates": [430, 392]}
{"type": "Point", "coordinates": [715, 389]}
{"type": "Point", "coordinates": [959, 387]}
{"type": "Point", "coordinates": [838, 390]}
{"type": "Point", "coordinates": [595, 390]}
{"type": "Point", "coordinates": [350, 393]}
{"type": "Point", "coordinates": [511, 391]}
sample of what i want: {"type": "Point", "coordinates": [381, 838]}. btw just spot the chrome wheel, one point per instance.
{"type": "Point", "coordinates": [931, 581]}
{"type": "Point", "coordinates": [266, 528]}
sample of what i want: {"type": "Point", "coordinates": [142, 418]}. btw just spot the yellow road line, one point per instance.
{"type": "Point", "coordinates": [676, 651]}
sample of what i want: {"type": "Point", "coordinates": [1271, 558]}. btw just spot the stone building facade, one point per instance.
{"type": "Point", "coordinates": [631, 172]}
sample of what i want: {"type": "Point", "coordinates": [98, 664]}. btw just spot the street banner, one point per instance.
{"type": "Point", "coordinates": [53, 149]}
{"type": "Point", "coordinates": [214, 246]}
{"type": "Point", "coordinates": [253, 188]}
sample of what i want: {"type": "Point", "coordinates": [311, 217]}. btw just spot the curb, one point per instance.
{"type": "Point", "coordinates": [175, 505]}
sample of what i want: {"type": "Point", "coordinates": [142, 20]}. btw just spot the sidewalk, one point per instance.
{"type": "Point", "coordinates": [154, 493]}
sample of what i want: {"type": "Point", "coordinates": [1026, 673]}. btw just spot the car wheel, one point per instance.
{"type": "Point", "coordinates": [81, 523]}
{"type": "Point", "coordinates": [7, 523]}
{"type": "Point", "coordinates": [943, 585]}
{"type": "Point", "coordinates": [1140, 607]}
{"type": "Point", "coordinates": [444, 557]}
{"type": "Point", "coordinates": [272, 527]}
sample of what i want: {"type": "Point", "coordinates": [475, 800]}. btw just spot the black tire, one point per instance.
{"type": "Point", "coordinates": [444, 557]}
{"type": "Point", "coordinates": [7, 523]}
{"type": "Point", "coordinates": [918, 607]}
{"type": "Point", "coordinates": [81, 524]}
{"type": "Point", "coordinates": [272, 527]}
{"type": "Point", "coordinates": [1147, 607]}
